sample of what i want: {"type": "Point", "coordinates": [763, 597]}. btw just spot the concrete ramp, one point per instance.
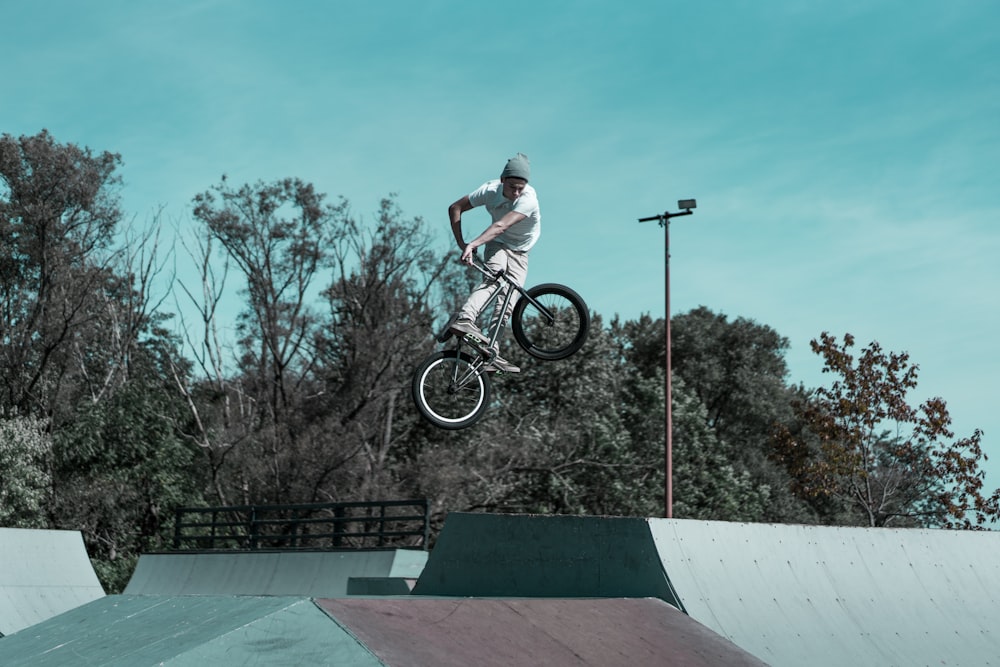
{"type": "Point", "coordinates": [42, 573]}
{"type": "Point", "coordinates": [790, 595]}
{"type": "Point", "coordinates": [306, 573]}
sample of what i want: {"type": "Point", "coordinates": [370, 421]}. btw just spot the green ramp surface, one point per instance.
{"type": "Point", "coordinates": [139, 631]}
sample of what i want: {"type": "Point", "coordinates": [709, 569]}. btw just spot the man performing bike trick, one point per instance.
{"type": "Point", "coordinates": [516, 226]}
{"type": "Point", "coordinates": [452, 388]}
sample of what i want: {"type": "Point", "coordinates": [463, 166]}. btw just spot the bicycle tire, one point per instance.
{"type": "Point", "coordinates": [551, 339]}
{"type": "Point", "coordinates": [450, 391]}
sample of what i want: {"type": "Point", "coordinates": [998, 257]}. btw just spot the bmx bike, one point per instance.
{"type": "Point", "coordinates": [452, 387]}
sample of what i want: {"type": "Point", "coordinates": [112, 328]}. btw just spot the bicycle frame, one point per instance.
{"type": "Point", "coordinates": [452, 387]}
{"type": "Point", "coordinates": [501, 275]}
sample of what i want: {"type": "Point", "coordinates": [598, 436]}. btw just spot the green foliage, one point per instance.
{"type": "Point", "coordinates": [317, 410]}
{"type": "Point", "coordinates": [58, 213]}
{"type": "Point", "coordinates": [737, 372]}
{"type": "Point", "coordinates": [708, 483]}
{"type": "Point", "coordinates": [114, 575]}
{"type": "Point", "coordinates": [120, 470]}
{"type": "Point", "coordinates": [25, 461]}
{"type": "Point", "coordinates": [563, 422]}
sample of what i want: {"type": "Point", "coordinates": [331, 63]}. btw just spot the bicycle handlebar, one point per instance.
{"type": "Point", "coordinates": [501, 274]}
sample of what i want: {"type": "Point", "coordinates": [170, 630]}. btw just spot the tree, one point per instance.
{"type": "Point", "coordinates": [277, 235]}
{"type": "Point", "coordinates": [314, 408]}
{"type": "Point", "coordinates": [710, 482]}
{"type": "Point", "coordinates": [80, 358]}
{"type": "Point", "coordinates": [390, 287]}
{"type": "Point", "coordinates": [889, 462]}
{"type": "Point", "coordinates": [25, 471]}
{"type": "Point", "coordinates": [737, 371]}
{"type": "Point", "coordinates": [565, 421]}
{"type": "Point", "coordinates": [121, 468]}
{"type": "Point", "coordinates": [58, 212]}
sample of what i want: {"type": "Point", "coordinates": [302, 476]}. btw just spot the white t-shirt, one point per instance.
{"type": "Point", "coordinates": [519, 236]}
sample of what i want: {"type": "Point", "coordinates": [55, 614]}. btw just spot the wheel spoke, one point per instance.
{"type": "Point", "coordinates": [450, 391]}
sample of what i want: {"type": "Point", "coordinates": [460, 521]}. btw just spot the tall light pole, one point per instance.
{"type": "Point", "coordinates": [668, 473]}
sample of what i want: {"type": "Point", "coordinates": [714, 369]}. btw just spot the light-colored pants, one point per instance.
{"type": "Point", "coordinates": [515, 266]}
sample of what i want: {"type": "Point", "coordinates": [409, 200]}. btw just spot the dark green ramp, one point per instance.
{"type": "Point", "coordinates": [488, 555]}
{"type": "Point", "coordinates": [42, 573]}
{"type": "Point", "coordinates": [202, 631]}
{"type": "Point", "coordinates": [299, 573]}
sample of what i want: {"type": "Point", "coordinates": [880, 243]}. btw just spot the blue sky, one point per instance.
{"type": "Point", "coordinates": [844, 154]}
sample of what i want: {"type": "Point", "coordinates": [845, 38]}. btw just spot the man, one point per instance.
{"type": "Point", "coordinates": [517, 224]}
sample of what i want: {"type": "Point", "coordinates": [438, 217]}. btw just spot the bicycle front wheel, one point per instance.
{"type": "Point", "coordinates": [553, 324]}
{"type": "Point", "coordinates": [451, 389]}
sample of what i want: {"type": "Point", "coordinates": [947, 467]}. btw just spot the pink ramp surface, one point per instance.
{"type": "Point", "coordinates": [405, 632]}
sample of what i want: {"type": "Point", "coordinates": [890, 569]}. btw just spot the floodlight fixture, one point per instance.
{"type": "Point", "coordinates": [664, 218]}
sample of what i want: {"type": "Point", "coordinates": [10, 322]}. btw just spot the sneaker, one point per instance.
{"type": "Point", "coordinates": [467, 328]}
{"type": "Point", "coordinates": [502, 365]}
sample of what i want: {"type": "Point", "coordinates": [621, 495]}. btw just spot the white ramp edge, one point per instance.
{"type": "Point", "coordinates": [819, 595]}
{"type": "Point", "coordinates": [43, 573]}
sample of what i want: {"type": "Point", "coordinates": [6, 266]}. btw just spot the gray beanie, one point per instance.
{"type": "Point", "coordinates": [517, 167]}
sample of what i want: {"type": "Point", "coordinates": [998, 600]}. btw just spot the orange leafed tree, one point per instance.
{"type": "Point", "coordinates": [862, 445]}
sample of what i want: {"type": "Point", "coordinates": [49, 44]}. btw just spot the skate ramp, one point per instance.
{"type": "Point", "coordinates": [790, 595]}
{"type": "Point", "coordinates": [597, 632]}
{"type": "Point", "coordinates": [42, 573]}
{"type": "Point", "coordinates": [376, 632]}
{"type": "Point", "coordinates": [495, 555]}
{"type": "Point", "coordinates": [295, 573]}
{"type": "Point", "coordinates": [817, 595]}
{"type": "Point", "coordinates": [145, 630]}
{"type": "Point", "coordinates": [593, 588]}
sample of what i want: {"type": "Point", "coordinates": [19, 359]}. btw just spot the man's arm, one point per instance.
{"type": "Point", "coordinates": [491, 232]}
{"type": "Point", "coordinates": [455, 212]}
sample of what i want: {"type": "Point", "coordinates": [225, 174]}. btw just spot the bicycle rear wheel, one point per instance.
{"type": "Point", "coordinates": [451, 390]}
{"type": "Point", "coordinates": [556, 327]}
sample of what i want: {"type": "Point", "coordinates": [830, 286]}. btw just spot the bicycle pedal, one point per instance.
{"type": "Point", "coordinates": [478, 343]}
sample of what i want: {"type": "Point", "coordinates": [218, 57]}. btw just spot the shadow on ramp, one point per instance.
{"type": "Point", "coordinates": [304, 573]}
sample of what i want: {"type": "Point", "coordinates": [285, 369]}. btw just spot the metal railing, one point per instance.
{"type": "Point", "coordinates": [376, 524]}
